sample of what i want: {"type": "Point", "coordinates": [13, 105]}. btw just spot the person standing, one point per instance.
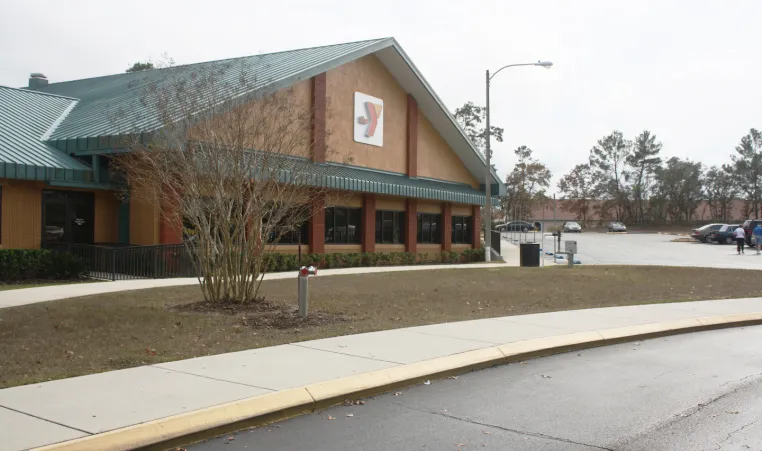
{"type": "Point", "coordinates": [740, 235]}
{"type": "Point", "coordinates": [756, 235]}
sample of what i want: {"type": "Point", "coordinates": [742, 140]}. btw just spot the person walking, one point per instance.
{"type": "Point", "coordinates": [756, 235]}
{"type": "Point", "coordinates": [740, 235]}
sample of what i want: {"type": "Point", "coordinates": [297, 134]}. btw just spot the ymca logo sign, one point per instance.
{"type": "Point", "coordinates": [369, 120]}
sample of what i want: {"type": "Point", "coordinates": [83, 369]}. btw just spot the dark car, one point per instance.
{"type": "Point", "coordinates": [702, 232]}
{"type": "Point", "coordinates": [748, 227]}
{"type": "Point", "coordinates": [616, 226]}
{"type": "Point", "coordinates": [723, 236]}
{"type": "Point", "coordinates": [517, 226]}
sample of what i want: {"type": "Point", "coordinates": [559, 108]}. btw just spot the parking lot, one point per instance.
{"type": "Point", "coordinates": [649, 249]}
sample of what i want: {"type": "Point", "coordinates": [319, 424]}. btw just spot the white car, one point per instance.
{"type": "Point", "coordinates": [572, 227]}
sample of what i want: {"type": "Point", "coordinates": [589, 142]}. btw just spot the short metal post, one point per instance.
{"type": "Point", "coordinates": [304, 295]}
{"type": "Point", "coordinates": [570, 257]}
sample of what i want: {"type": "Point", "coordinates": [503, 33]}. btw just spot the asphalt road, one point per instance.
{"type": "Point", "coordinates": [700, 391]}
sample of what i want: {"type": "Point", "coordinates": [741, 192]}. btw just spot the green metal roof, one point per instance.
{"type": "Point", "coordinates": [26, 117]}
{"type": "Point", "coordinates": [111, 105]}
{"type": "Point", "coordinates": [352, 178]}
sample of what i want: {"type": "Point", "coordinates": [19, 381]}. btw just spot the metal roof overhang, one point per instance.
{"type": "Point", "coordinates": [20, 171]}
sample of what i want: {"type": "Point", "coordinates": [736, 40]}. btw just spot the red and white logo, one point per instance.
{"type": "Point", "coordinates": [369, 120]}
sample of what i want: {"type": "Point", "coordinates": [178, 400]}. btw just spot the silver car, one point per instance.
{"type": "Point", "coordinates": [616, 226]}
{"type": "Point", "coordinates": [572, 227]}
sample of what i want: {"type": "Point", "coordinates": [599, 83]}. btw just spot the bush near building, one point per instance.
{"type": "Point", "coordinates": [35, 264]}
{"type": "Point", "coordinates": [290, 262]}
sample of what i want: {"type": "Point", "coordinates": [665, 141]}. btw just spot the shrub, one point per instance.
{"type": "Point", "coordinates": [26, 264]}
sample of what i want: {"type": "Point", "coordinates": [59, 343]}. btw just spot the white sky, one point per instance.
{"type": "Point", "coordinates": [687, 70]}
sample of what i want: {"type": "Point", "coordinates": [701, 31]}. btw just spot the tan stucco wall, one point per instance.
{"type": "Point", "coordinates": [106, 217]}
{"type": "Point", "coordinates": [390, 247]}
{"type": "Point", "coordinates": [391, 203]}
{"type": "Point", "coordinates": [343, 199]}
{"type": "Point", "coordinates": [290, 249]}
{"type": "Point", "coordinates": [343, 248]}
{"type": "Point", "coordinates": [429, 207]}
{"type": "Point", "coordinates": [21, 215]}
{"type": "Point", "coordinates": [297, 103]}
{"type": "Point", "coordinates": [436, 159]}
{"type": "Point", "coordinates": [368, 76]}
{"type": "Point", "coordinates": [462, 210]}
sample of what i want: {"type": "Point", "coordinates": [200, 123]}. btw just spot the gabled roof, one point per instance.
{"type": "Point", "coordinates": [26, 119]}
{"type": "Point", "coordinates": [103, 100]}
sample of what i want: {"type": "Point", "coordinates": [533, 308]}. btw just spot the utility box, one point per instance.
{"type": "Point", "coordinates": [570, 246]}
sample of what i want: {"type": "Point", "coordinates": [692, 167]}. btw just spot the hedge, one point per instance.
{"type": "Point", "coordinates": [289, 262]}
{"type": "Point", "coordinates": [30, 264]}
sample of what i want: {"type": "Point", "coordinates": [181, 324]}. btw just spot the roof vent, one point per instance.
{"type": "Point", "coordinates": [37, 80]}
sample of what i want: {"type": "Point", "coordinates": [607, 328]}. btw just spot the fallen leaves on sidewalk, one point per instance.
{"type": "Point", "coordinates": [427, 383]}
{"type": "Point", "coordinates": [349, 415]}
{"type": "Point", "coordinates": [357, 402]}
{"type": "Point", "coordinates": [399, 393]}
{"type": "Point", "coordinates": [545, 376]}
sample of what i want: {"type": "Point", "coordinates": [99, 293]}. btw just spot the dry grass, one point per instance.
{"type": "Point", "coordinates": [118, 330]}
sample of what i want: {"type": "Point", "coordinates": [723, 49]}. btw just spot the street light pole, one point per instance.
{"type": "Point", "coordinates": [488, 155]}
{"type": "Point", "coordinates": [488, 187]}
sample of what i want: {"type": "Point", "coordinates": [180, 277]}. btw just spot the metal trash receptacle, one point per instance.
{"type": "Point", "coordinates": [529, 254]}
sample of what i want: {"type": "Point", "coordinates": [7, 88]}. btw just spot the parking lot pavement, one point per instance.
{"type": "Point", "coordinates": [652, 249]}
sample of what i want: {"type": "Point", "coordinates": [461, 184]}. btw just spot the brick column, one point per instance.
{"type": "Point", "coordinates": [318, 117]}
{"type": "Point", "coordinates": [170, 223]}
{"type": "Point", "coordinates": [316, 228]}
{"type": "Point", "coordinates": [411, 226]}
{"type": "Point", "coordinates": [412, 137]}
{"type": "Point", "coordinates": [476, 219]}
{"type": "Point", "coordinates": [447, 226]}
{"type": "Point", "coordinates": [369, 223]}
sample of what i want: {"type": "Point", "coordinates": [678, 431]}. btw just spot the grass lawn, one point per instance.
{"type": "Point", "coordinates": [41, 283]}
{"type": "Point", "coordinates": [90, 334]}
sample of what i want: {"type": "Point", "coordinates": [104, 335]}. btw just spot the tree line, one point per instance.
{"type": "Point", "coordinates": [628, 180]}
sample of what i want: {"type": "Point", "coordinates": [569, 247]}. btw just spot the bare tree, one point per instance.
{"type": "Point", "coordinates": [579, 186]}
{"type": "Point", "coordinates": [229, 160]}
{"type": "Point", "coordinates": [608, 158]}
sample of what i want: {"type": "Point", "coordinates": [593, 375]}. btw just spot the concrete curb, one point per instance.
{"type": "Point", "coordinates": [195, 426]}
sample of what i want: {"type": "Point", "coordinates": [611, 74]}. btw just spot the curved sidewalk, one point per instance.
{"type": "Point", "coordinates": [23, 296]}
{"type": "Point", "coordinates": [145, 405]}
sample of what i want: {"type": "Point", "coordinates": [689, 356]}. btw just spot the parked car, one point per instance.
{"type": "Point", "coordinates": [517, 226]}
{"type": "Point", "coordinates": [724, 235]}
{"type": "Point", "coordinates": [572, 227]}
{"type": "Point", "coordinates": [702, 232]}
{"type": "Point", "coordinates": [748, 227]}
{"type": "Point", "coordinates": [616, 226]}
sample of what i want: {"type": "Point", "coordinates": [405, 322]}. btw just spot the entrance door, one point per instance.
{"type": "Point", "coordinates": [68, 216]}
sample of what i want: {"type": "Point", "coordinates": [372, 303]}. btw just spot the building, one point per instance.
{"type": "Point", "coordinates": [416, 183]}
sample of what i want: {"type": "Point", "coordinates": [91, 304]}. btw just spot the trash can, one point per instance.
{"type": "Point", "coordinates": [529, 254]}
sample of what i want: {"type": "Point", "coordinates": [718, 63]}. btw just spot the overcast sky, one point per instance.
{"type": "Point", "coordinates": [688, 71]}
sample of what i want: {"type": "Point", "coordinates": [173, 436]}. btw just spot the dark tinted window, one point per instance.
{"type": "Point", "coordinates": [428, 228]}
{"type": "Point", "coordinates": [342, 225]}
{"type": "Point", "coordinates": [461, 229]}
{"type": "Point", "coordinates": [390, 227]}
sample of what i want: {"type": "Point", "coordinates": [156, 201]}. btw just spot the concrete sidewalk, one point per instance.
{"type": "Point", "coordinates": [23, 296]}
{"type": "Point", "coordinates": [50, 412]}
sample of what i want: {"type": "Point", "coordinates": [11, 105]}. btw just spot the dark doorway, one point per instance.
{"type": "Point", "coordinates": [68, 216]}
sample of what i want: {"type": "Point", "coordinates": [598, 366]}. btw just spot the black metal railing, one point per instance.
{"type": "Point", "coordinates": [124, 262]}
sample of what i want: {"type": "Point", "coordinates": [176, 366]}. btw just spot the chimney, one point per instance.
{"type": "Point", "coordinates": [37, 80]}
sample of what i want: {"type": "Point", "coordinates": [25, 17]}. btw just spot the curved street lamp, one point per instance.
{"type": "Point", "coordinates": [488, 154]}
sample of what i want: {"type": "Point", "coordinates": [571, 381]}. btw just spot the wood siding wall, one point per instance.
{"type": "Point", "coordinates": [22, 215]}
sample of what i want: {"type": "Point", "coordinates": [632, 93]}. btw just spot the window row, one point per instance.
{"type": "Point", "coordinates": [343, 226]}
